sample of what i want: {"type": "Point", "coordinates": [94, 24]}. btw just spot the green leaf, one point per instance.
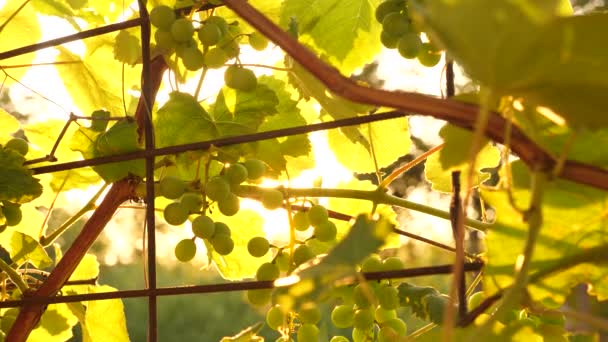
{"type": "Point", "coordinates": [239, 264]}
{"type": "Point", "coordinates": [250, 334]}
{"type": "Point", "coordinates": [55, 324]}
{"type": "Point", "coordinates": [23, 248]}
{"type": "Point", "coordinates": [23, 29]}
{"type": "Point", "coordinates": [16, 182]}
{"type": "Point", "coordinates": [127, 48]}
{"type": "Point", "coordinates": [572, 224]}
{"type": "Point", "coordinates": [8, 124]}
{"type": "Point", "coordinates": [87, 269]}
{"type": "Point", "coordinates": [455, 156]}
{"type": "Point", "coordinates": [343, 30]}
{"type": "Point", "coordinates": [105, 319]}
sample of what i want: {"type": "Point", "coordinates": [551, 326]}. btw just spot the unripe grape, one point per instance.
{"type": "Point", "coordinates": [12, 214]}
{"type": "Point", "coordinates": [192, 201]}
{"type": "Point", "coordinates": [272, 199]}
{"type": "Point", "coordinates": [259, 297]}
{"type": "Point", "coordinates": [282, 261]}
{"type": "Point", "coordinates": [397, 325]}
{"type": "Point", "coordinates": [171, 187]}
{"type": "Point", "coordinates": [222, 229]}
{"type": "Point", "coordinates": [409, 45]}
{"type": "Point", "coordinates": [255, 168]}
{"type": "Point", "coordinates": [164, 40]}
{"type": "Point", "coordinates": [18, 145]}
{"type": "Point", "coordinates": [175, 214]}
{"type": "Point", "coordinates": [192, 58]}
{"type": "Point", "coordinates": [219, 22]}
{"type": "Point", "coordinates": [342, 316]}
{"type": "Point", "coordinates": [240, 78]}
{"type": "Point", "coordinates": [396, 24]}
{"type": "Point", "coordinates": [182, 30]}
{"type": "Point", "coordinates": [185, 250]}
{"type": "Point", "coordinates": [300, 221]}
{"type": "Point", "coordinates": [217, 188]}
{"type": "Point", "coordinates": [388, 40]}
{"type": "Point", "coordinates": [215, 58]}
{"type": "Point", "coordinates": [275, 317]}
{"type": "Point", "coordinates": [475, 299]}
{"type": "Point", "coordinates": [258, 246]}
{"type": "Point", "coordinates": [339, 339]}
{"type": "Point", "coordinates": [302, 254]}
{"type": "Point", "coordinates": [382, 315]}
{"type": "Point", "coordinates": [362, 295]}
{"type": "Point", "coordinates": [203, 227]}
{"type": "Point", "coordinates": [363, 319]}
{"type": "Point", "coordinates": [309, 313]}
{"type": "Point", "coordinates": [363, 335]}
{"type": "Point", "coordinates": [387, 334]}
{"type": "Point", "coordinates": [371, 264]}
{"type": "Point", "coordinates": [308, 333]}
{"type": "Point", "coordinates": [236, 174]}
{"type": "Point", "coordinates": [267, 271]}
{"type": "Point", "coordinates": [222, 244]}
{"type": "Point", "coordinates": [392, 264]}
{"type": "Point", "coordinates": [388, 297]}
{"type": "Point", "coordinates": [229, 205]}
{"type": "Point", "coordinates": [326, 231]}
{"type": "Point", "coordinates": [162, 17]}
{"type": "Point", "coordinates": [209, 34]}
{"type": "Point", "coordinates": [387, 7]}
{"type": "Point", "coordinates": [317, 214]}
{"type": "Point", "coordinates": [230, 47]}
{"type": "Point", "coordinates": [181, 47]}
{"type": "Point", "coordinates": [258, 41]}
{"type": "Point", "coordinates": [428, 56]}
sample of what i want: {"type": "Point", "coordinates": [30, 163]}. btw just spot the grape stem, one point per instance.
{"type": "Point", "coordinates": [14, 276]}
{"type": "Point", "coordinates": [402, 169]}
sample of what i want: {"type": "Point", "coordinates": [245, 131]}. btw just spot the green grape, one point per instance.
{"type": "Point", "coordinates": [392, 264]}
{"type": "Point", "coordinates": [282, 261]}
{"type": "Point", "coordinates": [172, 187]}
{"type": "Point", "coordinates": [229, 205]}
{"type": "Point", "coordinates": [181, 47]}
{"type": "Point", "coordinates": [215, 58]}
{"type": "Point", "coordinates": [396, 24]}
{"type": "Point", "coordinates": [175, 214]}
{"type": "Point", "coordinates": [363, 319]}
{"type": "Point", "coordinates": [259, 297]}
{"type": "Point", "coordinates": [382, 315]}
{"type": "Point", "coordinates": [193, 201]}
{"type": "Point", "coordinates": [428, 55]}
{"type": "Point", "coordinates": [397, 325]}
{"type": "Point", "coordinates": [258, 41]}
{"type": "Point", "coordinates": [275, 317]}
{"type": "Point", "coordinates": [342, 316]}
{"type": "Point", "coordinates": [317, 214]}
{"type": "Point", "coordinates": [217, 188]}
{"type": "Point", "coordinates": [300, 221]}
{"type": "Point", "coordinates": [258, 246]}
{"type": "Point", "coordinates": [18, 145]}
{"type": "Point", "coordinates": [209, 34]}
{"type": "Point", "coordinates": [409, 45]}
{"type": "Point", "coordinates": [223, 244]}
{"type": "Point", "coordinates": [12, 213]}
{"type": "Point", "coordinates": [203, 227]}
{"type": "Point", "coordinates": [388, 297]}
{"type": "Point", "coordinates": [387, 334]}
{"type": "Point", "coordinates": [302, 254]}
{"type": "Point", "coordinates": [362, 295]}
{"type": "Point", "coordinates": [475, 299]}
{"type": "Point", "coordinates": [387, 7]}
{"type": "Point", "coordinates": [182, 30]}
{"type": "Point", "coordinates": [240, 78]}
{"type": "Point", "coordinates": [338, 339]}
{"type": "Point", "coordinates": [272, 199]}
{"type": "Point", "coordinates": [363, 335]}
{"type": "Point", "coordinates": [308, 333]}
{"type": "Point", "coordinates": [164, 40]}
{"type": "Point", "coordinates": [388, 40]}
{"type": "Point", "coordinates": [371, 264]}
{"type": "Point", "coordinates": [230, 47]}
{"type": "Point", "coordinates": [162, 17]}
{"type": "Point", "coordinates": [234, 29]}
{"type": "Point", "coordinates": [193, 58]}
{"type": "Point", "coordinates": [185, 250]}
{"type": "Point", "coordinates": [267, 271]}
{"type": "Point", "coordinates": [222, 229]}
{"type": "Point", "coordinates": [236, 174]}
{"type": "Point", "coordinates": [326, 231]}
{"type": "Point", "coordinates": [309, 313]}
{"type": "Point", "coordinates": [255, 168]}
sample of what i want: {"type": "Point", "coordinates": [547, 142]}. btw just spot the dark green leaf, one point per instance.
{"type": "Point", "coordinates": [16, 182]}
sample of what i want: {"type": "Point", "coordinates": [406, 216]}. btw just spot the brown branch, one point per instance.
{"type": "Point", "coordinates": [30, 313]}
{"type": "Point", "coordinates": [457, 113]}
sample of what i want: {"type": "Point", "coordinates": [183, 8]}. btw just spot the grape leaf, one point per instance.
{"type": "Point", "coordinates": [105, 319]}
{"type": "Point", "coordinates": [58, 9]}
{"type": "Point", "coordinates": [24, 248]}
{"type": "Point", "coordinates": [8, 124]}
{"type": "Point", "coordinates": [23, 29]}
{"type": "Point", "coordinates": [343, 30]}
{"type": "Point", "coordinates": [127, 48]}
{"type": "Point", "coordinates": [454, 156]}
{"type": "Point", "coordinates": [573, 222]}
{"type": "Point", "coordinates": [55, 324]}
{"type": "Point", "coordinates": [16, 182]}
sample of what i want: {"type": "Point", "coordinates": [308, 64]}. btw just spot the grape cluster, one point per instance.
{"type": "Point", "coordinates": [217, 43]}
{"type": "Point", "coordinates": [10, 213]}
{"type": "Point", "coordinates": [550, 324]}
{"type": "Point", "coordinates": [399, 33]}
{"type": "Point", "coordinates": [317, 217]}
